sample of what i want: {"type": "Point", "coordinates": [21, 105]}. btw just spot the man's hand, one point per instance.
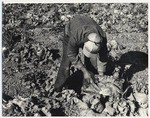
{"type": "Point", "coordinates": [87, 79]}
{"type": "Point", "coordinates": [87, 76]}
{"type": "Point", "coordinates": [101, 66]}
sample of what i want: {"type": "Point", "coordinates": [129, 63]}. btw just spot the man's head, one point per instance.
{"type": "Point", "coordinates": [92, 46]}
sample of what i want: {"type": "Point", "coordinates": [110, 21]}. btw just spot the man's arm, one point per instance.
{"type": "Point", "coordinates": [103, 57]}
{"type": "Point", "coordinates": [73, 55]}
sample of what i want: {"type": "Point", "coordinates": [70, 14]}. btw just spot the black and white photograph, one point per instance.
{"type": "Point", "coordinates": [75, 59]}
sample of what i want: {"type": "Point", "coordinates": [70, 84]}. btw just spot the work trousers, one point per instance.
{"type": "Point", "coordinates": [64, 70]}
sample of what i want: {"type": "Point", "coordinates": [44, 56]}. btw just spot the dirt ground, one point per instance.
{"type": "Point", "coordinates": [32, 51]}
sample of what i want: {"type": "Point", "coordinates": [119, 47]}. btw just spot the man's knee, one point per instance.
{"type": "Point", "coordinates": [63, 74]}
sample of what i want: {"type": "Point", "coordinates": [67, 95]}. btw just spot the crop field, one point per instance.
{"type": "Point", "coordinates": [32, 36]}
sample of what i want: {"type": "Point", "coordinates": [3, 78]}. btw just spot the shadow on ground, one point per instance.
{"type": "Point", "coordinates": [131, 63]}
{"type": "Point", "coordinates": [57, 112]}
{"type": "Point", "coordinates": [137, 61]}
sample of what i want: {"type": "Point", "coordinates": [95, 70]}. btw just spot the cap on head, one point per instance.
{"type": "Point", "coordinates": [94, 37]}
{"type": "Point", "coordinates": [90, 47]}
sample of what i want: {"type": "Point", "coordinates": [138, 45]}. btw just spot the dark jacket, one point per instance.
{"type": "Point", "coordinates": [77, 30]}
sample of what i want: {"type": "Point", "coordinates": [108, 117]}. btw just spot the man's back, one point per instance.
{"type": "Point", "coordinates": [79, 21]}
{"type": "Point", "coordinates": [83, 24]}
